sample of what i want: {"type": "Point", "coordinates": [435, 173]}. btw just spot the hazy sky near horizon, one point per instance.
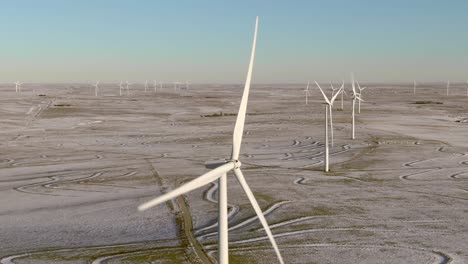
{"type": "Point", "coordinates": [209, 41]}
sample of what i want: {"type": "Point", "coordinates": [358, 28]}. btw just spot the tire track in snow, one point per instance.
{"type": "Point", "coordinates": [250, 220]}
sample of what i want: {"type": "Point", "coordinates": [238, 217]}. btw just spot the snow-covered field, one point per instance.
{"type": "Point", "coordinates": [74, 167]}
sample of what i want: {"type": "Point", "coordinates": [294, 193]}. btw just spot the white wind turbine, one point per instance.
{"type": "Point", "coordinates": [128, 89]}
{"type": "Point", "coordinates": [307, 93]}
{"type": "Point", "coordinates": [328, 107]}
{"type": "Point", "coordinates": [220, 172]}
{"type": "Point", "coordinates": [356, 96]}
{"type": "Point", "coordinates": [343, 92]}
{"type": "Point", "coordinates": [360, 92]}
{"type": "Point", "coordinates": [448, 87]}
{"type": "Point", "coordinates": [120, 88]}
{"type": "Point", "coordinates": [96, 88]}
{"type": "Point", "coordinates": [155, 85]}
{"type": "Point", "coordinates": [18, 86]}
{"type": "Point", "coordinates": [333, 89]}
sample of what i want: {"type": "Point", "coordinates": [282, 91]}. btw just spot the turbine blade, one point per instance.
{"type": "Point", "coordinates": [352, 81]}
{"type": "Point", "coordinates": [239, 126]}
{"type": "Point", "coordinates": [258, 211]}
{"type": "Point", "coordinates": [336, 95]}
{"type": "Point", "coordinates": [190, 186]}
{"type": "Point", "coordinates": [324, 96]}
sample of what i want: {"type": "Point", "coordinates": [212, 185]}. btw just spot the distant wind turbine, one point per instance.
{"type": "Point", "coordinates": [120, 88]}
{"type": "Point", "coordinates": [18, 86]}
{"type": "Point", "coordinates": [356, 96]}
{"type": "Point", "coordinates": [328, 107]}
{"type": "Point", "coordinates": [128, 88]}
{"type": "Point", "coordinates": [307, 93]}
{"type": "Point", "coordinates": [360, 92]}
{"type": "Point", "coordinates": [155, 85]}
{"type": "Point", "coordinates": [96, 88]}
{"type": "Point", "coordinates": [342, 92]}
{"type": "Point", "coordinates": [448, 87]}
{"type": "Point", "coordinates": [219, 172]}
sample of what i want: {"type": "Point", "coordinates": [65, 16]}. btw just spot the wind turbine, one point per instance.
{"type": "Point", "coordinates": [219, 171]}
{"type": "Point", "coordinates": [306, 92]}
{"type": "Point", "coordinates": [328, 107]}
{"type": "Point", "coordinates": [356, 96]}
{"type": "Point", "coordinates": [96, 88]}
{"type": "Point", "coordinates": [18, 86]}
{"type": "Point", "coordinates": [342, 92]}
{"type": "Point", "coordinates": [448, 87]}
{"type": "Point", "coordinates": [360, 92]}
{"type": "Point", "coordinates": [155, 85]}
{"type": "Point", "coordinates": [120, 88]}
{"type": "Point", "coordinates": [128, 89]}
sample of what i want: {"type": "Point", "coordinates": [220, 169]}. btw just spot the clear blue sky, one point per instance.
{"type": "Point", "coordinates": [209, 41]}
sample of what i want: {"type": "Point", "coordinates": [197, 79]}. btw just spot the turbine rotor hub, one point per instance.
{"type": "Point", "coordinates": [237, 164]}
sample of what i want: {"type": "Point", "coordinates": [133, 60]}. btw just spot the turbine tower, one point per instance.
{"type": "Point", "coordinates": [448, 87]}
{"type": "Point", "coordinates": [328, 107]}
{"type": "Point", "coordinates": [307, 93]}
{"type": "Point", "coordinates": [220, 173]}
{"type": "Point", "coordinates": [155, 85]}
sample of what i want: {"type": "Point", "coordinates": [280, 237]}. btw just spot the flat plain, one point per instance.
{"type": "Point", "coordinates": [74, 168]}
